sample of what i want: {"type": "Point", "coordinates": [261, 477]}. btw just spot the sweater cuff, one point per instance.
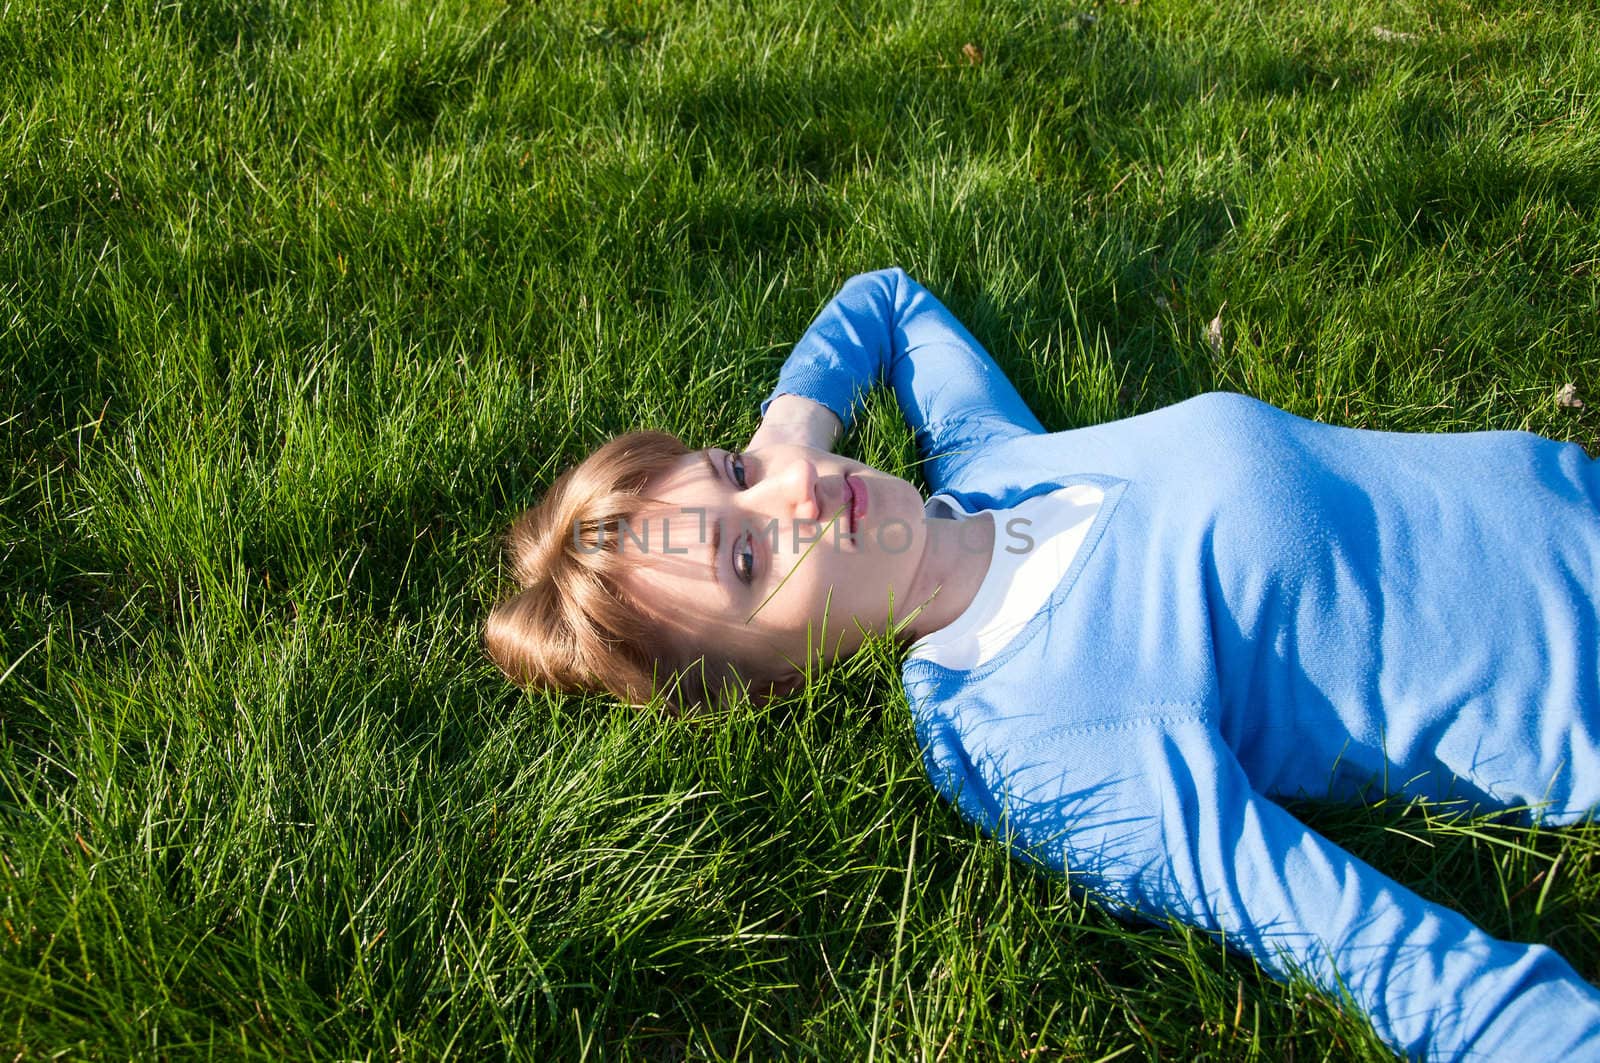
{"type": "Point", "coordinates": [821, 387]}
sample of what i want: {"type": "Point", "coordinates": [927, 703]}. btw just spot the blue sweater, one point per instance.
{"type": "Point", "coordinates": [1264, 607]}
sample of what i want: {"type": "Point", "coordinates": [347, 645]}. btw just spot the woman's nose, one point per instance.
{"type": "Point", "coordinates": [796, 487]}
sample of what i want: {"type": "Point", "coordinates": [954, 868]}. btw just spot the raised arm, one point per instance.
{"type": "Point", "coordinates": [885, 326]}
{"type": "Point", "coordinates": [793, 419]}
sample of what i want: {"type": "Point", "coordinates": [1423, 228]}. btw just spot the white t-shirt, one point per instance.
{"type": "Point", "coordinates": [1034, 544]}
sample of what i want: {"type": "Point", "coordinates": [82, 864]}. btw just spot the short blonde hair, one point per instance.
{"type": "Point", "coordinates": [574, 625]}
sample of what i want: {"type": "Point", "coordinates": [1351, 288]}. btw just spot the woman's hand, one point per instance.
{"type": "Point", "coordinates": [796, 420]}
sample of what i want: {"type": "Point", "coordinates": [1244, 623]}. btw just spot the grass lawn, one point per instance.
{"type": "Point", "coordinates": [300, 302]}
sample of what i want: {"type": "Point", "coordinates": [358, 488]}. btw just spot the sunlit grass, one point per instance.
{"type": "Point", "coordinates": [299, 303]}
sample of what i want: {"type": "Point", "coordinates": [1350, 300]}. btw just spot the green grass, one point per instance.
{"type": "Point", "coordinates": [300, 302]}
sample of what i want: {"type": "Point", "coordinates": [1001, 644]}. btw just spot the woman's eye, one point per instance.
{"type": "Point", "coordinates": [736, 464]}
{"type": "Point", "coordinates": [744, 560]}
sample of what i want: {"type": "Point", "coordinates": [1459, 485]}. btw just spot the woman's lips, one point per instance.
{"type": "Point", "coordinates": [858, 501]}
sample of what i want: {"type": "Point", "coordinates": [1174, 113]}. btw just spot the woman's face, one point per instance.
{"type": "Point", "coordinates": [771, 556]}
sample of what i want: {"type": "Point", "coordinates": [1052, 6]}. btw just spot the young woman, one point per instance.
{"type": "Point", "coordinates": [1127, 640]}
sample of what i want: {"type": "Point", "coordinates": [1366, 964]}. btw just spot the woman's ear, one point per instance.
{"type": "Point", "coordinates": [788, 683]}
{"type": "Point", "coordinates": [784, 685]}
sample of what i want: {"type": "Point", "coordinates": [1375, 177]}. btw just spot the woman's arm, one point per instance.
{"type": "Point", "coordinates": [1432, 982]}
{"type": "Point", "coordinates": [1179, 832]}
{"type": "Point", "coordinates": [793, 419]}
{"type": "Point", "coordinates": [886, 326]}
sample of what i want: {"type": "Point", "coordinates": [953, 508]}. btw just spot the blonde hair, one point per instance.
{"type": "Point", "coordinates": [574, 626]}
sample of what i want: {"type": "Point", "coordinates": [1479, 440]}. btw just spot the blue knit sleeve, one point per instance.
{"type": "Point", "coordinates": [1172, 828]}
{"type": "Point", "coordinates": [884, 325]}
